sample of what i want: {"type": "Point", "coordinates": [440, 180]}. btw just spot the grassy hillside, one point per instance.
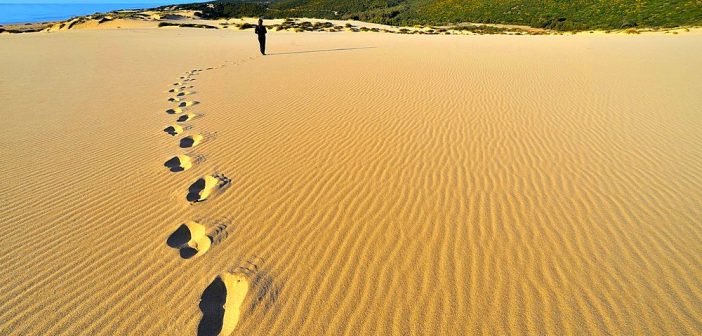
{"type": "Point", "coordinates": [554, 14]}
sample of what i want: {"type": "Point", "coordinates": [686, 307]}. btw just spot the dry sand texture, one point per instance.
{"type": "Point", "coordinates": [350, 184]}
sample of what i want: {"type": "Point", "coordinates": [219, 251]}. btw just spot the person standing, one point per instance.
{"type": "Point", "coordinates": [261, 32]}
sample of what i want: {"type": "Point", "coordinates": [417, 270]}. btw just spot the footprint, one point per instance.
{"type": "Point", "coordinates": [176, 110]}
{"type": "Point", "coordinates": [221, 304]}
{"type": "Point", "coordinates": [191, 239]}
{"type": "Point", "coordinates": [187, 103]}
{"type": "Point", "coordinates": [179, 163]}
{"type": "Point", "coordinates": [173, 130]}
{"type": "Point", "coordinates": [179, 89]}
{"type": "Point", "coordinates": [174, 100]}
{"type": "Point", "coordinates": [187, 117]}
{"type": "Point", "coordinates": [191, 141]}
{"type": "Point", "coordinates": [203, 188]}
{"type": "Point", "coordinates": [184, 93]}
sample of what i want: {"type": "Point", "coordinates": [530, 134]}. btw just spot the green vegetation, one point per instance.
{"type": "Point", "coordinates": [185, 25]}
{"type": "Point", "coordinates": [551, 14]}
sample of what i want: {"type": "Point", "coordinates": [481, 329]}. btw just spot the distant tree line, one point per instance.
{"type": "Point", "coordinates": [551, 14]}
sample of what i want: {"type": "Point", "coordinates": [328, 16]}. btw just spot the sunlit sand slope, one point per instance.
{"type": "Point", "coordinates": [376, 184]}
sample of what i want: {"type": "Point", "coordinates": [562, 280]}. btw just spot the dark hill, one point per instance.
{"type": "Point", "coordinates": [554, 14]}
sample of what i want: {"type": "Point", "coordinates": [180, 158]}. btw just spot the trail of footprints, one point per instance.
{"type": "Point", "coordinates": [222, 302]}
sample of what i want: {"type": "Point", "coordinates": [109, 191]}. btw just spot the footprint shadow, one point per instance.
{"type": "Point", "coordinates": [196, 139]}
{"type": "Point", "coordinates": [211, 305]}
{"type": "Point", "coordinates": [180, 89]}
{"type": "Point", "coordinates": [205, 186]}
{"type": "Point", "coordinates": [174, 130]}
{"type": "Point", "coordinates": [222, 301]}
{"type": "Point", "coordinates": [181, 163]}
{"type": "Point", "coordinates": [176, 110]}
{"type": "Point", "coordinates": [191, 141]}
{"type": "Point", "coordinates": [194, 239]}
{"type": "Point", "coordinates": [187, 103]}
{"type": "Point", "coordinates": [187, 117]}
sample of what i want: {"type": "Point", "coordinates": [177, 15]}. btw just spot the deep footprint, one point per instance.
{"type": "Point", "coordinates": [180, 89]}
{"type": "Point", "coordinates": [191, 239]}
{"type": "Point", "coordinates": [203, 188]}
{"type": "Point", "coordinates": [221, 304]}
{"type": "Point", "coordinates": [176, 110]}
{"type": "Point", "coordinates": [187, 117]}
{"type": "Point", "coordinates": [173, 130]}
{"type": "Point", "coordinates": [191, 141]}
{"type": "Point", "coordinates": [187, 103]}
{"type": "Point", "coordinates": [179, 163]}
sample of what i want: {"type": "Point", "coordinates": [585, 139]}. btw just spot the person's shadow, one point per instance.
{"type": "Point", "coordinates": [317, 51]}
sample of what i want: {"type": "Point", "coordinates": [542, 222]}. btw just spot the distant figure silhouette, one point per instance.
{"type": "Point", "coordinates": [261, 32]}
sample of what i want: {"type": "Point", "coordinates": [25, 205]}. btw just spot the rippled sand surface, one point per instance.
{"type": "Point", "coordinates": [350, 184]}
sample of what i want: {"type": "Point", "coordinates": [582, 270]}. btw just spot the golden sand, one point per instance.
{"type": "Point", "coordinates": [378, 184]}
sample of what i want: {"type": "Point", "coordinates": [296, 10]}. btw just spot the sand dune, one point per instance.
{"type": "Point", "coordinates": [379, 184]}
